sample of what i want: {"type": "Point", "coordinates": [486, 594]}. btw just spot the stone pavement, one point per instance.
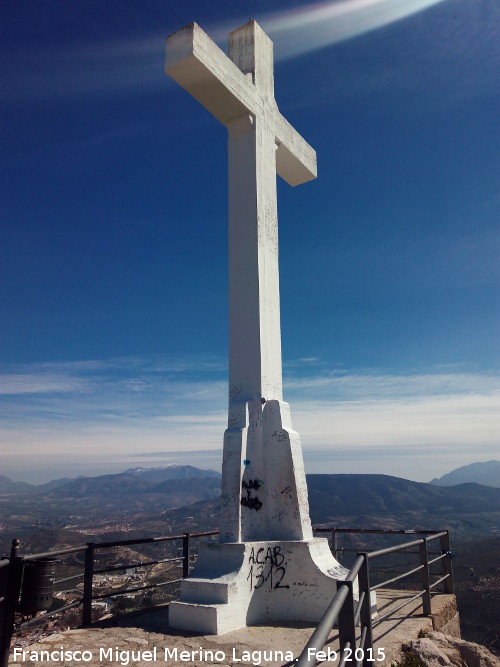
{"type": "Point", "coordinates": [146, 640]}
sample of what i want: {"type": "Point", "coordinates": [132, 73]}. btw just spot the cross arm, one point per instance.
{"type": "Point", "coordinates": [295, 158]}
{"type": "Point", "coordinates": [204, 70]}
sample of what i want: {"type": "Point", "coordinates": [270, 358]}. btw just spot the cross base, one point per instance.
{"type": "Point", "coordinates": [238, 584]}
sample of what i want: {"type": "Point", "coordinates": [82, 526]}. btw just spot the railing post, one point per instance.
{"type": "Point", "coordinates": [11, 601]}
{"type": "Point", "coordinates": [347, 625]}
{"type": "Point", "coordinates": [365, 616]}
{"type": "Point", "coordinates": [424, 577]}
{"type": "Point", "coordinates": [14, 550]}
{"type": "Point", "coordinates": [447, 566]}
{"type": "Point", "coordinates": [88, 580]}
{"type": "Point", "coordinates": [334, 542]}
{"type": "Point", "coordinates": [185, 555]}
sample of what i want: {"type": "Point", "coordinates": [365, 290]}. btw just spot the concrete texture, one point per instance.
{"type": "Point", "coordinates": [143, 633]}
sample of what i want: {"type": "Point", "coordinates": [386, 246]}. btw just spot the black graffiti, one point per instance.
{"type": "Point", "coordinates": [252, 484]}
{"type": "Point", "coordinates": [252, 502]}
{"type": "Point", "coordinates": [273, 556]}
{"type": "Point", "coordinates": [267, 567]}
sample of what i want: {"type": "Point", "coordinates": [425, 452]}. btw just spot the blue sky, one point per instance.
{"type": "Point", "coordinates": [113, 344]}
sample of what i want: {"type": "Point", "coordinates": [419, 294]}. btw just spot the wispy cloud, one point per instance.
{"type": "Point", "coordinates": [103, 415]}
{"type": "Point", "coordinates": [377, 385]}
{"type": "Point", "coordinates": [446, 419]}
{"type": "Point", "coordinates": [129, 66]}
{"type": "Point", "coordinates": [43, 383]}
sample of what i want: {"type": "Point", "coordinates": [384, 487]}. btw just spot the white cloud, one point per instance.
{"type": "Point", "coordinates": [30, 383]}
{"type": "Point", "coordinates": [341, 384]}
{"type": "Point", "coordinates": [110, 411]}
{"type": "Point", "coordinates": [449, 420]}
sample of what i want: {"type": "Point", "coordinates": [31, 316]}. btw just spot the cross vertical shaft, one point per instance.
{"type": "Point", "coordinates": [254, 312]}
{"type": "Point", "coordinates": [255, 372]}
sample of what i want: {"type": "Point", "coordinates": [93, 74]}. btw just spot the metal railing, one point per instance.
{"type": "Point", "coordinates": [343, 610]}
{"type": "Point", "coordinates": [11, 577]}
{"type": "Point", "coordinates": [92, 547]}
{"type": "Point", "coordinates": [349, 614]}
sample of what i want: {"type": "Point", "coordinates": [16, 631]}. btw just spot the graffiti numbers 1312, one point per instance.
{"type": "Point", "coordinates": [267, 565]}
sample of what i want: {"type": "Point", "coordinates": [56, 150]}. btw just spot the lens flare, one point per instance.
{"type": "Point", "coordinates": [320, 24]}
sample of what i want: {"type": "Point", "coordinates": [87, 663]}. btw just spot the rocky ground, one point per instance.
{"type": "Point", "coordinates": [439, 650]}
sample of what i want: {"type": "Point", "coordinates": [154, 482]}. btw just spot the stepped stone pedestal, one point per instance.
{"type": "Point", "coordinates": [233, 585]}
{"type": "Point", "coordinates": [267, 566]}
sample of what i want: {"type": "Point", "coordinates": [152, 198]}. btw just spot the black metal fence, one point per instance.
{"type": "Point", "coordinates": [349, 614]}
{"type": "Point", "coordinates": [342, 610]}
{"type": "Point", "coordinates": [11, 580]}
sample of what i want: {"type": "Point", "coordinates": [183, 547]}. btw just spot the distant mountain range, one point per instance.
{"type": "Point", "coordinates": [166, 479]}
{"type": "Point", "coordinates": [185, 498]}
{"type": "Point", "coordinates": [392, 502]}
{"type": "Point", "coordinates": [134, 479]}
{"type": "Point", "coordinates": [378, 501]}
{"type": "Point", "coordinates": [485, 472]}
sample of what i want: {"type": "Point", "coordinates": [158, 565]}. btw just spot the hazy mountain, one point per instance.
{"type": "Point", "coordinates": [103, 485]}
{"type": "Point", "coordinates": [53, 484]}
{"type": "Point", "coordinates": [485, 472]}
{"type": "Point", "coordinates": [182, 492]}
{"type": "Point", "coordinates": [7, 486]}
{"type": "Point", "coordinates": [132, 481]}
{"type": "Point", "coordinates": [170, 471]}
{"type": "Point", "coordinates": [133, 478]}
{"type": "Point", "coordinates": [417, 504]}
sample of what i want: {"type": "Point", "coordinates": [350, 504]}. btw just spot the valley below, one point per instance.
{"type": "Point", "coordinates": [140, 503]}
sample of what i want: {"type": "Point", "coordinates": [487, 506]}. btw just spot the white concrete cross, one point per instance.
{"type": "Point", "coordinates": [264, 493]}
{"type": "Point", "coordinates": [267, 565]}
